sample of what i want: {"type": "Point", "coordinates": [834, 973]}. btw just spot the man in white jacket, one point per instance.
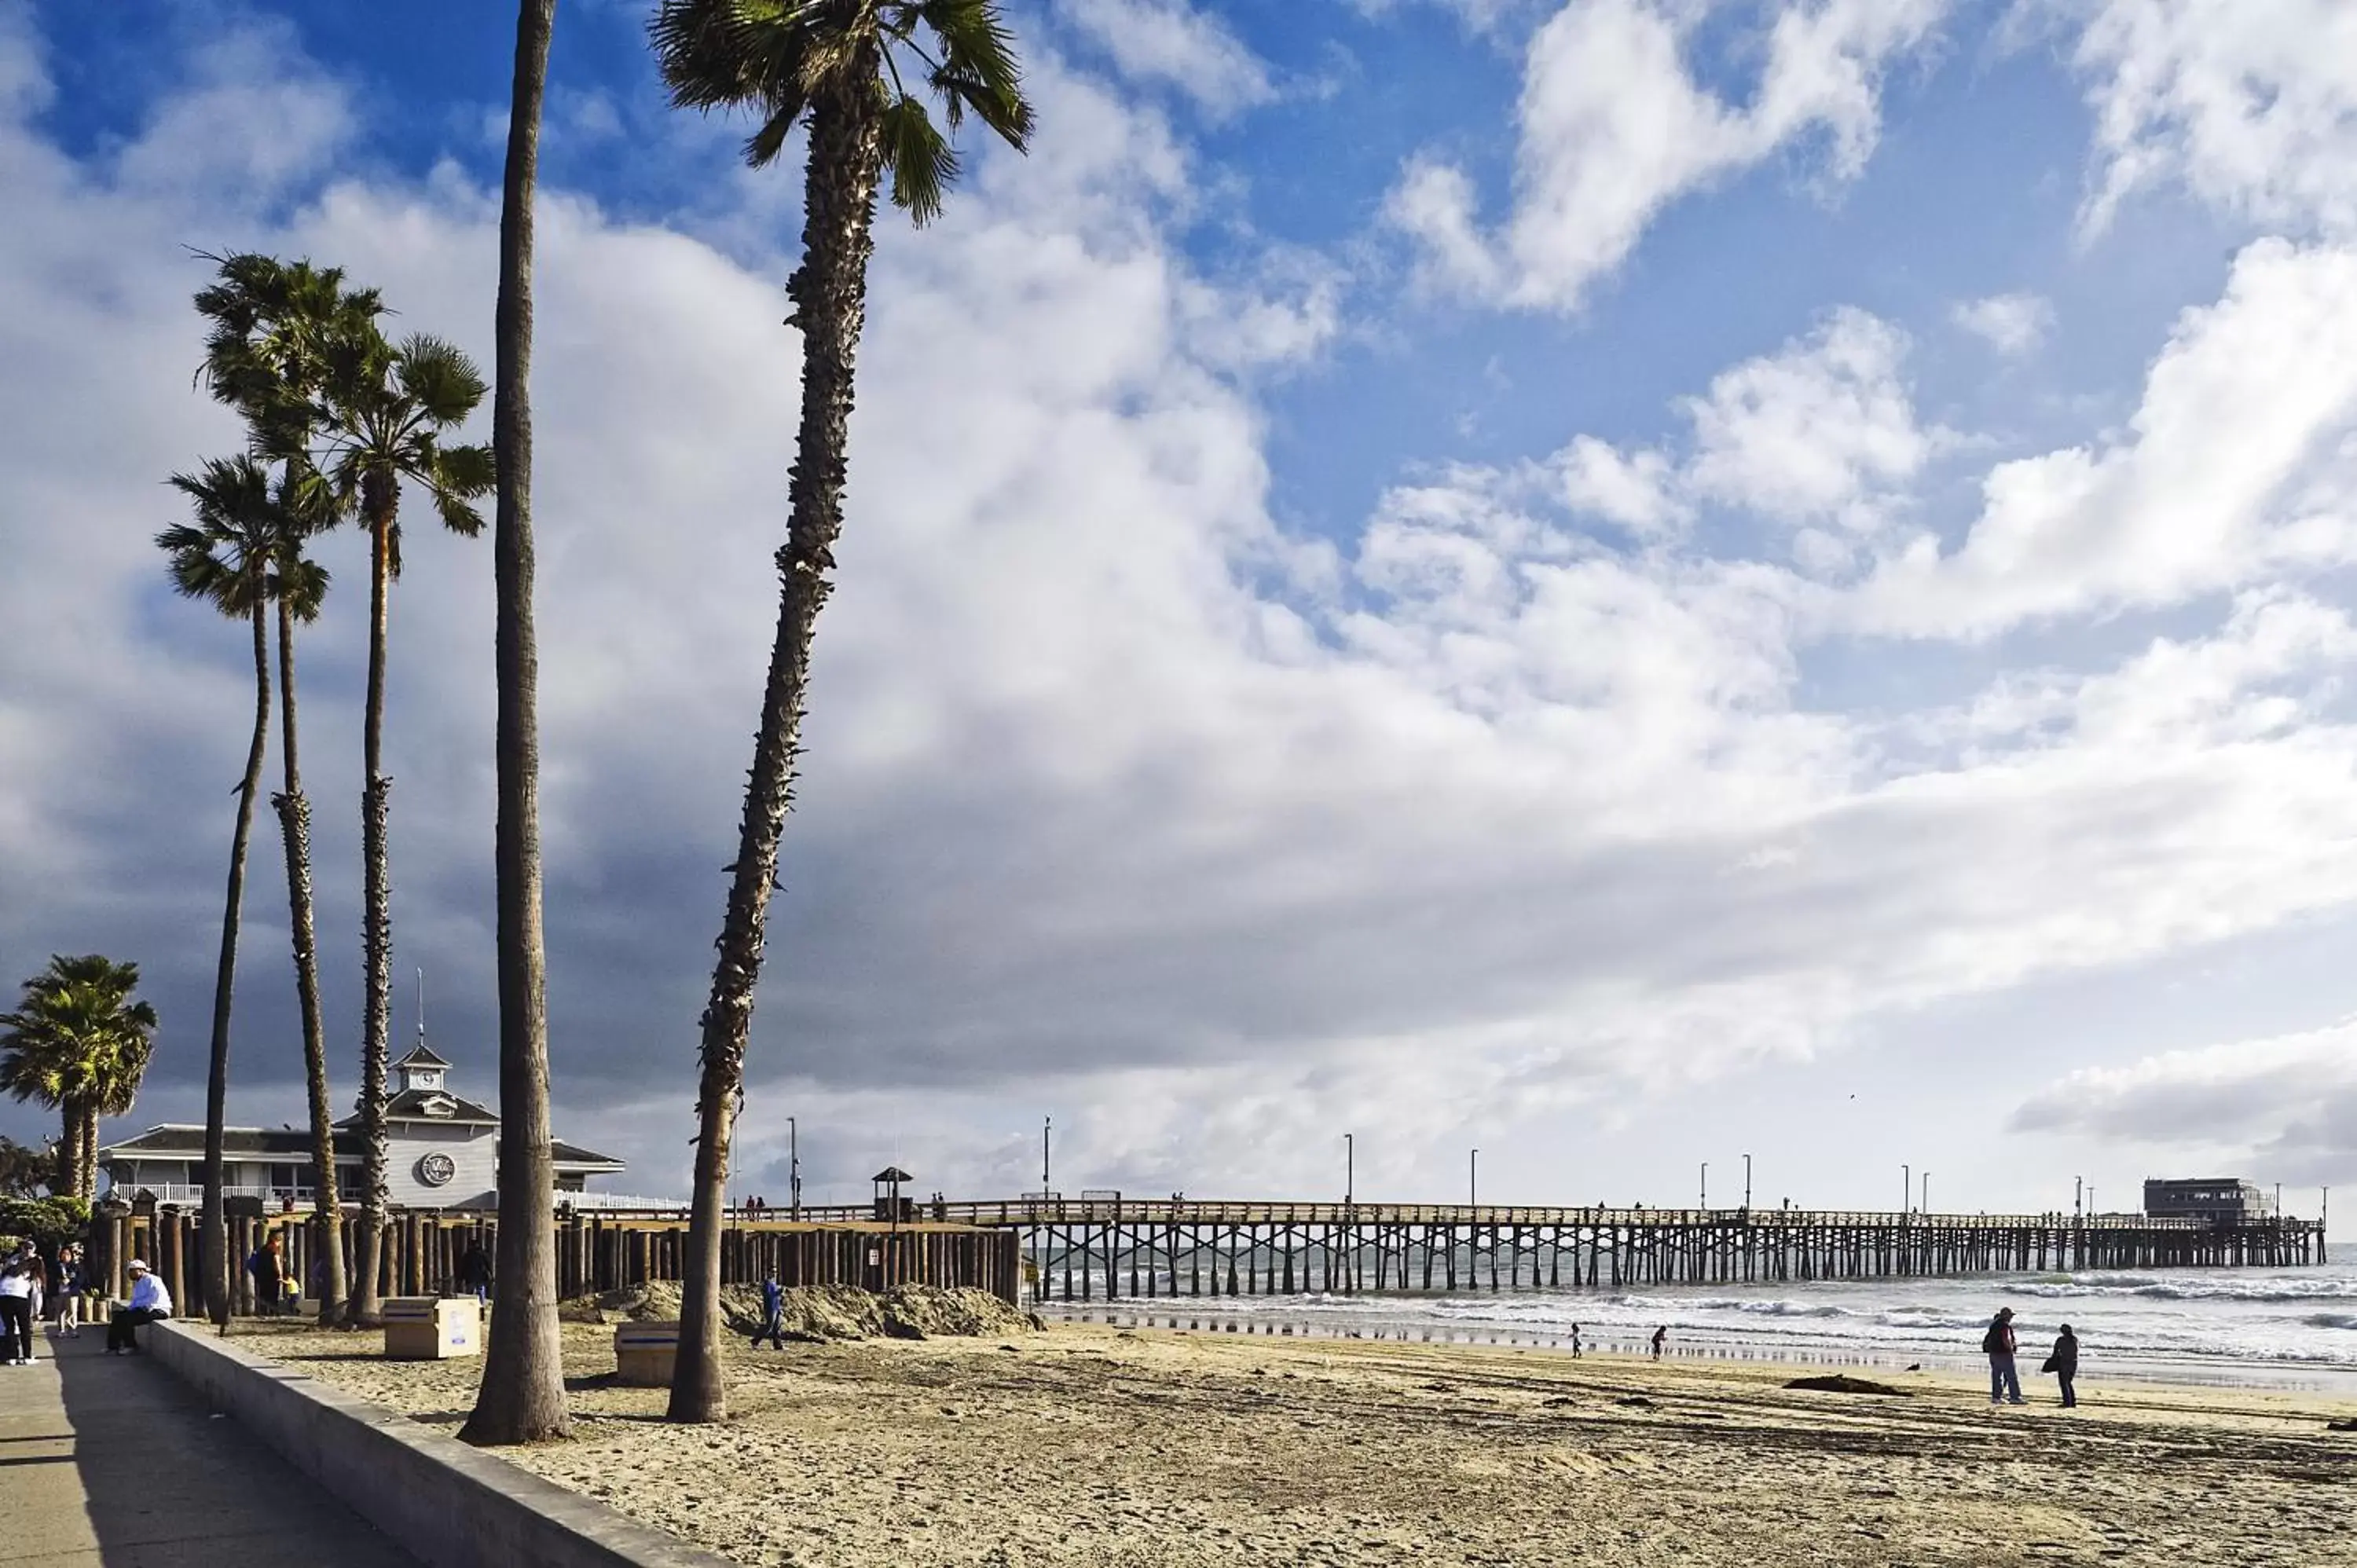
{"type": "Point", "coordinates": [149, 1303]}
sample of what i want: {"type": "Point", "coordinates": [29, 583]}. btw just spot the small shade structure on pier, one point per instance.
{"type": "Point", "coordinates": [890, 1204]}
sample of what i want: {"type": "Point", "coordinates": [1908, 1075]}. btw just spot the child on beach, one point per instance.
{"type": "Point", "coordinates": [1575, 1341]}
{"type": "Point", "coordinates": [1660, 1338]}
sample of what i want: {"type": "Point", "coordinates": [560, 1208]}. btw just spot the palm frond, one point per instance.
{"type": "Point", "coordinates": [922, 162]}
{"type": "Point", "coordinates": [437, 377]}
{"type": "Point", "coordinates": [975, 69]}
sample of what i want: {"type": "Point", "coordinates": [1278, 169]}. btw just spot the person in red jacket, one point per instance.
{"type": "Point", "coordinates": [2005, 1382]}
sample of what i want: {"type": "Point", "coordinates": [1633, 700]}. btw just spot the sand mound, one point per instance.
{"type": "Point", "coordinates": [1838, 1384]}
{"type": "Point", "coordinates": [822, 1315]}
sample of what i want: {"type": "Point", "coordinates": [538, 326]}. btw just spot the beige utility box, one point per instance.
{"type": "Point", "coordinates": [645, 1353]}
{"type": "Point", "coordinates": [433, 1329]}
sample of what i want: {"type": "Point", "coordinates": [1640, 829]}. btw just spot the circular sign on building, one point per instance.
{"type": "Point", "coordinates": [436, 1169]}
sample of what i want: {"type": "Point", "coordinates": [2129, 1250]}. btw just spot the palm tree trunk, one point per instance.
{"type": "Point", "coordinates": [521, 1398]}
{"type": "Point", "coordinates": [86, 1170]}
{"type": "Point", "coordinates": [294, 827]}
{"type": "Point", "coordinates": [214, 1268]}
{"type": "Point", "coordinates": [830, 289]}
{"type": "Point", "coordinates": [380, 496]}
{"type": "Point", "coordinates": [68, 1147]}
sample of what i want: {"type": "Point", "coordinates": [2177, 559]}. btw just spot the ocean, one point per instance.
{"type": "Point", "coordinates": [2285, 1329]}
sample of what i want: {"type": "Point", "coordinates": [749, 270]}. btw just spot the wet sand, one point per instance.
{"type": "Point", "coordinates": [1154, 1449]}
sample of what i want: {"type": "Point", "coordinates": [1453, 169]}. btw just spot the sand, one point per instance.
{"type": "Point", "coordinates": [1153, 1449]}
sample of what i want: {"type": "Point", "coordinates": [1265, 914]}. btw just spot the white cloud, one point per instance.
{"type": "Point", "coordinates": [1613, 127]}
{"type": "Point", "coordinates": [2236, 463]}
{"type": "Point", "coordinates": [2012, 323]}
{"type": "Point", "coordinates": [1172, 41]}
{"type": "Point", "coordinates": [2251, 102]}
{"type": "Point", "coordinates": [2288, 1100]}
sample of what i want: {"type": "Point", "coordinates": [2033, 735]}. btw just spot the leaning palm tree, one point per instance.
{"type": "Point", "coordinates": [223, 559]}
{"type": "Point", "coordinates": [522, 1397]}
{"type": "Point", "coordinates": [79, 1041]}
{"type": "Point", "coordinates": [274, 326]}
{"type": "Point", "coordinates": [384, 419]}
{"type": "Point", "coordinates": [844, 69]}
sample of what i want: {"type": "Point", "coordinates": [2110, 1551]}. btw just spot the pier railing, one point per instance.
{"type": "Point", "coordinates": [1109, 1246]}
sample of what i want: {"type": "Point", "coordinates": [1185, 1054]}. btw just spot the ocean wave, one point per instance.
{"type": "Point", "coordinates": [2258, 1289]}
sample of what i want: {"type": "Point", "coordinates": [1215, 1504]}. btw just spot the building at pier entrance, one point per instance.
{"type": "Point", "coordinates": [2225, 1199]}
{"type": "Point", "coordinates": [441, 1148]}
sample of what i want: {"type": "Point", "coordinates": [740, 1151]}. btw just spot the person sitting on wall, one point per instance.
{"type": "Point", "coordinates": [150, 1303]}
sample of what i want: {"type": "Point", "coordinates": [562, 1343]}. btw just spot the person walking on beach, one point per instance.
{"type": "Point", "coordinates": [1998, 1344]}
{"type": "Point", "coordinates": [475, 1271]}
{"type": "Point", "coordinates": [773, 1314]}
{"type": "Point", "coordinates": [1660, 1338]}
{"type": "Point", "coordinates": [16, 1314]}
{"type": "Point", "coordinates": [2064, 1365]}
{"type": "Point", "coordinates": [1575, 1341]}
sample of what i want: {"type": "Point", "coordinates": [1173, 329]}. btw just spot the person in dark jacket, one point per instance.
{"type": "Point", "coordinates": [268, 1268]}
{"type": "Point", "coordinates": [2064, 1365]}
{"type": "Point", "coordinates": [475, 1271]}
{"type": "Point", "coordinates": [1998, 1344]}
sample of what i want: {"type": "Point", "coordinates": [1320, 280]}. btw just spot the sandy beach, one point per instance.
{"type": "Point", "coordinates": [1158, 1448]}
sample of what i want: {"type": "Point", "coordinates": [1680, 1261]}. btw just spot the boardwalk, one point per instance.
{"type": "Point", "coordinates": [109, 1462]}
{"type": "Point", "coordinates": [1111, 1246]}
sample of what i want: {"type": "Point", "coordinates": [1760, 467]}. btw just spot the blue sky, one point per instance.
{"type": "Point", "coordinates": [1597, 578]}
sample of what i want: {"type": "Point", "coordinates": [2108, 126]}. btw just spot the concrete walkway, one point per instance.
{"type": "Point", "coordinates": [110, 1462]}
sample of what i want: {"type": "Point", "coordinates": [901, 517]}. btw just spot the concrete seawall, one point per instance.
{"type": "Point", "coordinates": [450, 1505]}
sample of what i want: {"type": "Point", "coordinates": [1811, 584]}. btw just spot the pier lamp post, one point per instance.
{"type": "Point", "coordinates": [793, 1168]}
{"type": "Point", "coordinates": [1047, 1126]}
{"type": "Point", "coordinates": [1747, 1183]}
{"type": "Point", "coordinates": [1473, 1179]}
{"type": "Point", "coordinates": [2078, 1197]}
{"type": "Point", "coordinates": [1906, 1187]}
{"type": "Point", "coordinates": [1350, 1167]}
{"type": "Point", "coordinates": [1926, 1206]}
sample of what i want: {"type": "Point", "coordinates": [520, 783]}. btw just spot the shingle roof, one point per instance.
{"type": "Point", "coordinates": [420, 1057]}
{"type": "Point", "coordinates": [566, 1153]}
{"type": "Point", "coordinates": [170, 1141]}
{"type": "Point", "coordinates": [409, 1106]}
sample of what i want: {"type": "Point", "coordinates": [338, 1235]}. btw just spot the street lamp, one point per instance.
{"type": "Point", "coordinates": [1747, 1183]}
{"type": "Point", "coordinates": [1473, 1180]}
{"type": "Point", "coordinates": [1350, 1167]}
{"type": "Point", "coordinates": [1906, 1187]}
{"type": "Point", "coordinates": [1046, 1125]}
{"type": "Point", "coordinates": [1926, 1193]}
{"type": "Point", "coordinates": [794, 1167]}
{"type": "Point", "coordinates": [1706, 1184]}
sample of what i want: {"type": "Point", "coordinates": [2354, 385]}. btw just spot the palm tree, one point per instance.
{"type": "Point", "coordinates": [842, 68]}
{"type": "Point", "coordinates": [77, 1042]}
{"type": "Point", "coordinates": [275, 325]}
{"type": "Point", "coordinates": [299, 586]}
{"type": "Point", "coordinates": [223, 560]}
{"type": "Point", "coordinates": [387, 410]}
{"type": "Point", "coordinates": [522, 1397]}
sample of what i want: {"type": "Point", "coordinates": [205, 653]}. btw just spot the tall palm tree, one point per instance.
{"type": "Point", "coordinates": [387, 410]}
{"type": "Point", "coordinates": [843, 68]}
{"type": "Point", "coordinates": [273, 327]}
{"type": "Point", "coordinates": [522, 1397]}
{"type": "Point", "coordinates": [223, 559]}
{"type": "Point", "coordinates": [79, 1041]}
{"type": "Point", "coordinates": [298, 585]}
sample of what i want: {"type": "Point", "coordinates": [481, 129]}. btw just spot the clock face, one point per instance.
{"type": "Point", "coordinates": [435, 1170]}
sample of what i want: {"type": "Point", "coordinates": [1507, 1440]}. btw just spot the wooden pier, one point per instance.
{"type": "Point", "coordinates": [1112, 1247]}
